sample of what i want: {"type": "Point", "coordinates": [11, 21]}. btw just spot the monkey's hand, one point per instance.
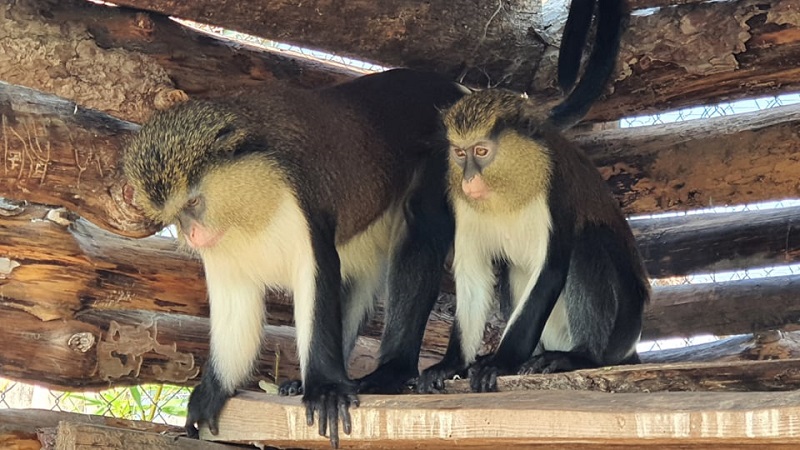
{"type": "Point", "coordinates": [387, 379]}
{"type": "Point", "coordinates": [291, 387]}
{"type": "Point", "coordinates": [431, 381]}
{"type": "Point", "coordinates": [483, 374]}
{"type": "Point", "coordinates": [331, 402]}
{"type": "Point", "coordinates": [205, 404]}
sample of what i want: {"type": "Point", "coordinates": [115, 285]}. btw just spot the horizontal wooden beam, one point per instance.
{"type": "Point", "coordinates": [705, 243]}
{"type": "Point", "coordinates": [126, 63]}
{"type": "Point", "coordinates": [545, 419]}
{"type": "Point", "coordinates": [79, 436]}
{"type": "Point", "coordinates": [685, 55]}
{"type": "Point", "coordinates": [741, 159]}
{"type": "Point", "coordinates": [742, 376]}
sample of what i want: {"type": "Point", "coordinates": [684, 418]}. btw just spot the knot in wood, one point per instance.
{"type": "Point", "coordinates": [81, 342]}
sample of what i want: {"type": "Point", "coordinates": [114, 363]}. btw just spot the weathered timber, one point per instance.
{"type": "Point", "coordinates": [56, 152]}
{"type": "Point", "coordinates": [126, 63]}
{"type": "Point", "coordinates": [98, 349]}
{"type": "Point", "coordinates": [35, 429]}
{"type": "Point", "coordinates": [60, 268]}
{"type": "Point", "coordinates": [546, 419]}
{"type": "Point", "coordinates": [718, 308]}
{"type": "Point", "coordinates": [742, 376]}
{"type": "Point", "coordinates": [79, 436]}
{"type": "Point", "coordinates": [763, 345]}
{"type": "Point", "coordinates": [739, 159]}
{"type": "Point", "coordinates": [678, 56]}
{"type": "Point", "coordinates": [718, 242]}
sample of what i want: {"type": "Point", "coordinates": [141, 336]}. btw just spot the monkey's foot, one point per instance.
{"type": "Point", "coordinates": [552, 362]}
{"type": "Point", "coordinates": [205, 404]}
{"type": "Point", "coordinates": [483, 374]}
{"type": "Point", "coordinates": [431, 380]}
{"type": "Point", "coordinates": [387, 379]}
{"type": "Point", "coordinates": [291, 387]}
{"type": "Point", "coordinates": [330, 403]}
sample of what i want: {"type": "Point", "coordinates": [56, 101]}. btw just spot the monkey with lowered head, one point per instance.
{"type": "Point", "coordinates": [332, 195]}
{"type": "Point", "coordinates": [530, 200]}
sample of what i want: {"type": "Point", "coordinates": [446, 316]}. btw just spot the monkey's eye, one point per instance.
{"type": "Point", "coordinates": [193, 202]}
{"type": "Point", "coordinates": [481, 151]}
{"type": "Point", "coordinates": [459, 152]}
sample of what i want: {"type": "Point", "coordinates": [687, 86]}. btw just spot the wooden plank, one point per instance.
{"type": "Point", "coordinates": [743, 376]}
{"type": "Point", "coordinates": [544, 419]}
{"type": "Point", "coordinates": [79, 436]}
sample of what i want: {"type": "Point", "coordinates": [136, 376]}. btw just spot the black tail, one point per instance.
{"type": "Point", "coordinates": [610, 21]}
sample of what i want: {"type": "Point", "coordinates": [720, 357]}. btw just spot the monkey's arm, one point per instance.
{"type": "Point", "coordinates": [328, 392]}
{"type": "Point", "coordinates": [527, 323]}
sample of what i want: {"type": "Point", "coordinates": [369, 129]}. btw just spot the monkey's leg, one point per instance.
{"type": "Point", "coordinates": [237, 317]}
{"type": "Point", "coordinates": [475, 282]}
{"type": "Point", "coordinates": [328, 392]}
{"type": "Point", "coordinates": [527, 322]}
{"type": "Point", "coordinates": [415, 272]}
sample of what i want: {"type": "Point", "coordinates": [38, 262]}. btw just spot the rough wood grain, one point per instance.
{"type": "Point", "coordinates": [127, 63]}
{"type": "Point", "coordinates": [530, 420]}
{"type": "Point", "coordinates": [742, 376]}
{"type": "Point", "coordinates": [56, 152]}
{"type": "Point", "coordinates": [79, 436]}
{"type": "Point", "coordinates": [679, 56]}
{"type": "Point", "coordinates": [68, 280]}
{"type": "Point", "coordinates": [740, 159]}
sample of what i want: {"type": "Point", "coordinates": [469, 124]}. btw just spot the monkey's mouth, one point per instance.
{"type": "Point", "coordinates": [200, 237]}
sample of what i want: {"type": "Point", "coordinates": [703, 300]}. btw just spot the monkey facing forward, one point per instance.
{"type": "Point", "coordinates": [334, 195]}
{"type": "Point", "coordinates": [530, 200]}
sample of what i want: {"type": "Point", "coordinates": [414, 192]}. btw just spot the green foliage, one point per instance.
{"type": "Point", "coordinates": [143, 402]}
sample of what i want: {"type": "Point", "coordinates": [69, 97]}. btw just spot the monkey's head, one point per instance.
{"type": "Point", "coordinates": [494, 162]}
{"type": "Point", "coordinates": [193, 166]}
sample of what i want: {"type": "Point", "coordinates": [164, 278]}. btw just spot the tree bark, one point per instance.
{"type": "Point", "coordinates": [55, 152]}
{"type": "Point", "coordinates": [679, 56]}
{"type": "Point", "coordinates": [127, 63]}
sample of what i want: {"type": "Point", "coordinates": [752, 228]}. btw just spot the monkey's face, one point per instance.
{"type": "Point", "coordinates": [493, 167]}
{"type": "Point", "coordinates": [188, 166]}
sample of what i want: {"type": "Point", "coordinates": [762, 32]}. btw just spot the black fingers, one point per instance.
{"type": "Point", "coordinates": [484, 372]}
{"type": "Point", "coordinates": [331, 404]}
{"type": "Point", "coordinates": [291, 387]}
{"type": "Point", "coordinates": [387, 379]}
{"type": "Point", "coordinates": [554, 362]}
{"type": "Point", "coordinates": [431, 380]}
{"type": "Point", "coordinates": [205, 405]}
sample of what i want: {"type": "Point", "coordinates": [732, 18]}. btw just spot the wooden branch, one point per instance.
{"type": "Point", "coordinates": [742, 376]}
{"type": "Point", "coordinates": [126, 63]}
{"type": "Point", "coordinates": [718, 242]}
{"type": "Point", "coordinates": [740, 159]}
{"type": "Point", "coordinates": [766, 345]}
{"type": "Point", "coordinates": [680, 56]}
{"type": "Point", "coordinates": [546, 419]}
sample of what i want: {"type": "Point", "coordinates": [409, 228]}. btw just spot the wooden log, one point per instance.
{"type": "Point", "coordinates": [741, 159]}
{"type": "Point", "coordinates": [723, 308]}
{"type": "Point", "coordinates": [765, 345]}
{"type": "Point", "coordinates": [680, 56]}
{"type": "Point", "coordinates": [547, 419]}
{"type": "Point", "coordinates": [127, 63]}
{"type": "Point", "coordinates": [55, 152]}
{"type": "Point", "coordinates": [741, 376]}
{"type": "Point", "coordinates": [61, 269]}
{"type": "Point", "coordinates": [706, 243]}
{"type": "Point", "coordinates": [78, 436]}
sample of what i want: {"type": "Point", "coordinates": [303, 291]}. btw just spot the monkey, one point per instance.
{"type": "Point", "coordinates": [611, 20]}
{"type": "Point", "coordinates": [334, 195]}
{"type": "Point", "coordinates": [525, 196]}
